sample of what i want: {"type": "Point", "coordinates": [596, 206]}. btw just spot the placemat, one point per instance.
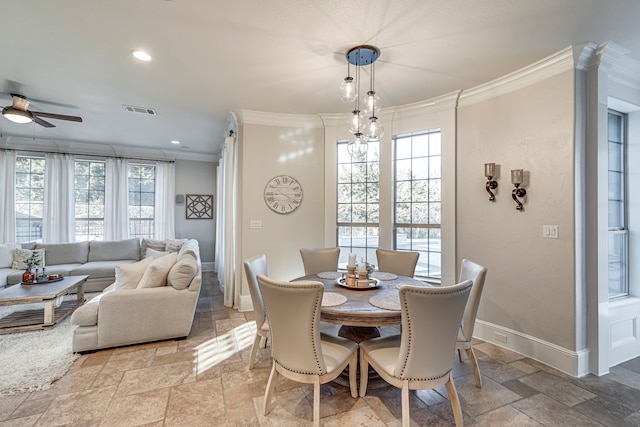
{"type": "Point", "coordinates": [331, 299]}
{"type": "Point", "coordinates": [329, 275]}
{"type": "Point", "coordinates": [381, 275]}
{"type": "Point", "coordinates": [386, 301]}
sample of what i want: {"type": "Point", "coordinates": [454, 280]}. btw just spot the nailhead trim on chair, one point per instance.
{"type": "Point", "coordinates": [318, 304]}
{"type": "Point", "coordinates": [410, 330]}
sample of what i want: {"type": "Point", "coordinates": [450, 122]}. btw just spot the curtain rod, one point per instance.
{"type": "Point", "coordinates": [90, 155]}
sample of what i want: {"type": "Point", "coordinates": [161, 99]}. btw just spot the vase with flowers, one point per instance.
{"type": "Point", "coordinates": [33, 261]}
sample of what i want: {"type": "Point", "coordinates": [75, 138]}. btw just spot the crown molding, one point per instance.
{"type": "Point", "coordinates": [102, 150]}
{"type": "Point", "coordinates": [538, 71]}
{"type": "Point", "coordinates": [279, 119]}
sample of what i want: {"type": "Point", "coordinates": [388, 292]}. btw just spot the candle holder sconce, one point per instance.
{"type": "Point", "coordinates": [516, 180]}
{"type": "Point", "coordinates": [490, 172]}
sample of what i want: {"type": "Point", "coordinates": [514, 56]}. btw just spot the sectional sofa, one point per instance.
{"type": "Point", "coordinates": [97, 259]}
{"type": "Point", "coordinates": [148, 289]}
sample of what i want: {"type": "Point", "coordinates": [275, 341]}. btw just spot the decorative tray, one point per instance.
{"type": "Point", "coordinates": [43, 281]}
{"type": "Point", "coordinates": [373, 284]}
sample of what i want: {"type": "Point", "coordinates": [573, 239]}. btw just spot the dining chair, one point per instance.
{"type": "Point", "coordinates": [402, 263]}
{"type": "Point", "coordinates": [471, 271]}
{"type": "Point", "coordinates": [253, 267]}
{"type": "Point", "coordinates": [420, 357]}
{"type": "Point", "coordinates": [318, 260]}
{"type": "Point", "coordinates": [300, 351]}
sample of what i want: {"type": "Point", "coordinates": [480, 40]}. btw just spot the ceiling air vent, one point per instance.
{"type": "Point", "coordinates": [143, 110]}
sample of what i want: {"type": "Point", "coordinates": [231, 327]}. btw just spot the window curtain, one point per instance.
{"type": "Point", "coordinates": [58, 224]}
{"type": "Point", "coordinates": [116, 215]}
{"type": "Point", "coordinates": [7, 196]}
{"type": "Point", "coordinates": [225, 262]}
{"type": "Point", "coordinates": [165, 209]}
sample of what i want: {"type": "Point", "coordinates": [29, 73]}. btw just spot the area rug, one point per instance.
{"type": "Point", "coordinates": [32, 360]}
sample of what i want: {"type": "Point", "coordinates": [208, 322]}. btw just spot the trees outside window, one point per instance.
{"type": "Point", "coordinates": [142, 184]}
{"type": "Point", "coordinates": [29, 198]}
{"type": "Point", "coordinates": [89, 200]}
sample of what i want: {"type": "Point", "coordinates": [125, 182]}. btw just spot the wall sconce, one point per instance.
{"type": "Point", "coordinates": [490, 172]}
{"type": "Point", "coordinates": [516, 180]}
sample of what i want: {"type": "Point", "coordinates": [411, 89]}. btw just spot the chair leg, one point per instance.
{"type": "Point", "coordinates": [271, 385]}
{"type": "Point", "coordinates": [353, 367]}
{"type": "Point", "coordinates": [316, 401]}
{"type": "Point", "coordinates": [254, 350]}
{"type": "Point", "coordinates": [264, 342]}
{"type": "Point", "coordinates": [474, 364]}
{"type": "Point", "coordinates": [364, 370]}
{"type": "Point", "coordinates": [406, 414]}
{"type": "Point", "coordinates": [455, 402]}
{"type": "Point", "coordinates": [460, 355]}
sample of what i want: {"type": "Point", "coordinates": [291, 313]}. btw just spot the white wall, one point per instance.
{"type": "Point", "coordinates": [194, 177]}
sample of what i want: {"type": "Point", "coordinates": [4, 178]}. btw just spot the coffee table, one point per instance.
{"type": "Point", "coordinates": [46, 293]}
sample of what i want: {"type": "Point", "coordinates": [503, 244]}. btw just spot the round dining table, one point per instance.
{"type": "Point", "coordinates": [360, 311]}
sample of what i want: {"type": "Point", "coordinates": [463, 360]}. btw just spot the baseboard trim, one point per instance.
{"type": "Point", "coordinates": [208, 266]}
{"type": "Point", "coordinates": [245, 303]}
{"type": "Point", "coordinates": [565, 360]}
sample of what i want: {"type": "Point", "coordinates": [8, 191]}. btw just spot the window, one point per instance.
{"type": "Point", "coordinates": [617, 215]}
{"type": "Point", "coordinates": [358, 202]}
{"type": "Point", "coordinates": [89, 200]}
{"type": "Point", "coordinates": [417, 195]}
{"type": "Point", "coordinates": [142, 184]}
{"type": "Point", "coordinates": [29, 198]}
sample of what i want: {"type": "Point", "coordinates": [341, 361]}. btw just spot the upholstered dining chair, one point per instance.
{"type": "Point", "coordinates": [471, 271]}
{"type": "Point", "coordinates": [402, 263]}
{"type": "Point", "coordinates": [318, 260]}
{"type": "Point", "coordinates": [253, 267]}
{"type": "Point", "coordinates": [420, 357]}
{"type": "Point", "coordinates": [300, 351]}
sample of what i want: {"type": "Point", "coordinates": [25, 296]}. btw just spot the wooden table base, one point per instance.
{"type": "Point", "coordinates": [359, 334]}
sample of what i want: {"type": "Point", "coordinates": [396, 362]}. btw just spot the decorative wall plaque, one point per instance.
{"type": "Point", "coordinates": [199, 206]}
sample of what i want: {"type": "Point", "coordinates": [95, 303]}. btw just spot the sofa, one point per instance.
{"type": "Point", "coordinates": [151, 299]}
{"type": "Point", "coordinates": [97, 259]}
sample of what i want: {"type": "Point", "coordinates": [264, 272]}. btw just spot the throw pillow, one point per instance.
{"type": "Point", "coordinates": [156, 273]}
{"type": "Point", "coordinates": [155, 254]}
{"type": "Point", "coordinates": [183, 272]}
{"type": "Point", "coordinates": [157, 245]}
{"type": "Point", "coordinates": [174, 245]}
{"type": "Point", "coordinates": [6, 254]}
{"type": "Point", "coordinates": [128, 275]}
{"type": "Point", "coordinates": [22, 256]}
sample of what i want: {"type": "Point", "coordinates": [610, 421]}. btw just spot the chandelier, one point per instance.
{"type": "Point", "coordinates": [363, 123]}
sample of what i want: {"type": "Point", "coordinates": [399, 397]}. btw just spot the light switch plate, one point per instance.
{"type": "Point", "coordinates": [255, 223]}
{"type": "Point", "coordinates": [550, 231]}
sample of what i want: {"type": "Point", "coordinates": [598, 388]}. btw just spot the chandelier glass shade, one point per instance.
{"type": "Point", "coordinates": [363, 123]}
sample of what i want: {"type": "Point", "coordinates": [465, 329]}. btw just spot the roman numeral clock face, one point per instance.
{"type": "Point", "coordinates": [283, 194]}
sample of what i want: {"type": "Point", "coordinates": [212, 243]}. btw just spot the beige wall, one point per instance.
{"type": "Point", "coordinates": [265, 152]}
{"type": "Point", "coordinates": [530, 286]}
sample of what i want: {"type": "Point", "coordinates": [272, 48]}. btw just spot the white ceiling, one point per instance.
{"type": "Point", "coordinates": [287, 56]}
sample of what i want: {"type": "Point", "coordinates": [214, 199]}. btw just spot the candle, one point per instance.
{"type": "Point", "coordinates": [352, 260]}
{"type": "Point", "coordinates": [362, 268]}
{"type": "Point", "coordinates": [489, 170]}
{"type": "Point", "coordinates": [516, 176]}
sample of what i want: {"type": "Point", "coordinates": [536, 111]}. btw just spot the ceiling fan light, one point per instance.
{"type": "Point", "coordinates": [17, 116]}
{"type": "Point", "coordinates": [348, 90]}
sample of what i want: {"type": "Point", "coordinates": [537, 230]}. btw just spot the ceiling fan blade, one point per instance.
{"type": "Point", "coordinates": [57, 116]}
{"type": "Point", "coordinates": [44, 123]}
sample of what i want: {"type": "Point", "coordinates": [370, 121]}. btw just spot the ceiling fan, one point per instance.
{"type": "Point", "coordinates": [19, 112]}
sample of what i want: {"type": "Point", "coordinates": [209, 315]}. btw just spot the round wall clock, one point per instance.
{"type": "Point", "coordinates": [283, 194]}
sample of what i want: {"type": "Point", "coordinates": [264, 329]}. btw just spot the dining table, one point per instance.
{"type": "Point", "coordinates": [361, 311]}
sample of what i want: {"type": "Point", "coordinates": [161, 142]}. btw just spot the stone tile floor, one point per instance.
{"type": "Point", "coordinates": [204, 381]}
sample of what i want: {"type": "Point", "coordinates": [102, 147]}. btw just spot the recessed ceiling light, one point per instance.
{"type": "Point", "coordinates": [141, 55]}
{"type": "Point", "coordinates": [175, 141]}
